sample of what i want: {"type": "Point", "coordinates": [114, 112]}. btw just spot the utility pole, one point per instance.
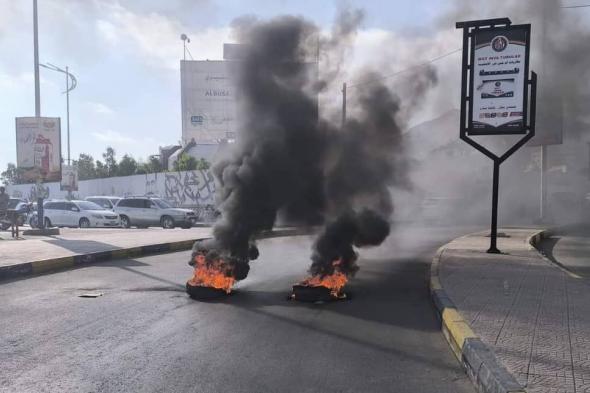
{"type": "Point", "coordinates": [36, 57]}
{"type": "Point", "coordinates": [68, 110]}
{"type": "Point", "coordinates": [40, 215]}
{"type": "Point", "coordinates": [343, 104]}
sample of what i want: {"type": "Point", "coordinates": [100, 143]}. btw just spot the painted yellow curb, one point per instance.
{"type": "Point", "coordinates": [181, 245]}
{"type": "Point", "coordinates": [456, 330]}
{"type": "Point", "coordinates": [52, 264]}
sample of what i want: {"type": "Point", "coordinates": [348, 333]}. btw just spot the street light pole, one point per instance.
{"type": "Point", "coordinates": [71, 83]}
{"type": "Point", "coordinates": [68, 110]}
{"type": "Point", "coordinates": [36, 59]}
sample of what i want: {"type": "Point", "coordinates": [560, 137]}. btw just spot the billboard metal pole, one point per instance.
{"type": "Point", "coordinates": [343, 104]}
{"type": "Point", "coordinates": [470, 29]}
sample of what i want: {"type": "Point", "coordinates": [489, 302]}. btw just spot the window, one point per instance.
{"type": "Point", "coordinates": [59, 206]}
{"type": "Point", "coordinates": [99, 201]}
{"type": "Point", "coordinates": [50, 205]}
{"type": "Point", "coordinates": [137, 203]}
{"type": "Point", "coordinates": [124, 203]}
{"type": "Point", "coordinates": [87, 205]}
{"type": "Point", "coordinates": [162, 203]}
{"type": "Point", "coordinates": [70, 206]}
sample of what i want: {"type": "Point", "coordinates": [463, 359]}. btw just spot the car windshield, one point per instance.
{"type": "Point", "coordinates": [13, 203]}
{"type": "Point", "coordinates": [162, 203]}
{"type": "Point", "coordinates": [85, 205]}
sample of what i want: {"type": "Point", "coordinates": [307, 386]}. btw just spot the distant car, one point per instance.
{"type": "Point", "coordinates": [144, 212]}
{"type": "Point", "coordinates": [81, 214]}
{"type": "Point", "coordinates": [21, 207]}
{"type": "Point", "coordinates": [108, 202]}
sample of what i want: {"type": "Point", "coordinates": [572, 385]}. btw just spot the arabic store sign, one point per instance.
{"type": "Point", "coordinates": [500, 67]}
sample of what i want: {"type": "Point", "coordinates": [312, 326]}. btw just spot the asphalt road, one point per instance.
{"type": "Point", "coordinates": [145, 335]}
{"type": "Point", "coordinates": [571, 249]}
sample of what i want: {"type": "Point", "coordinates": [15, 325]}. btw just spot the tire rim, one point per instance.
{"type": "Point", "coordinates": [125, 222]}
{"type": "Point", "coordinates": [168, 223]}
{"type": "Point", "coordinates": [84, 223]}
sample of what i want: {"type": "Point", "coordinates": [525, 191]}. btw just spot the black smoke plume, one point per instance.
{"type": "Point", "coordinates": [288, 161]}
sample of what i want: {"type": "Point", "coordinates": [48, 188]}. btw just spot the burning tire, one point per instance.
{"type": "Point", "coordinates": [311, 294]}
{"type": "Point", "coordinates": [199, 292]}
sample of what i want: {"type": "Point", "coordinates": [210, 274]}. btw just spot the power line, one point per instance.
{"type": "Point", "coordinates": [576, 6]}
{"type": "Point", "coordinates": [408, 69]}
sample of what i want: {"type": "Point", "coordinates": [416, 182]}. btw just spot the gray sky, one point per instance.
{"type": "Point", "coordinates": [125, 55]}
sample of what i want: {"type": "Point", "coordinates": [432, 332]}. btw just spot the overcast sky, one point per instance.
{"type": "Point", "coordinates": [125, 55]}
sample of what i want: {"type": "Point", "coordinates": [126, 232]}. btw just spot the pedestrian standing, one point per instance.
{"type": "Point", "coordinates": [4, 200]}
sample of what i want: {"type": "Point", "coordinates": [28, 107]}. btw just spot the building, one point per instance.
{"type": "Point", "coordinates": [208, 98]}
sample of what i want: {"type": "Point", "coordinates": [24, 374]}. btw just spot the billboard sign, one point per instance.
{"type": "Point", "coordinates": [69, 178]}
{"type": "Point", "coordinates": [38, 148]}
{"type": "Point", "coordinates": [498, 84]}
{"type": "Point", "coordinates": [208, 100]}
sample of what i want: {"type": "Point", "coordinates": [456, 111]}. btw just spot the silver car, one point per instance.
{"type": "Point", "coordinates": [144, 212]}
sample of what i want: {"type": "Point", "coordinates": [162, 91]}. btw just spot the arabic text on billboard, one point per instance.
{"type": "Point", "coordinates": [498, 80]}
{"type": "Point", "coordinates": [38, 148]}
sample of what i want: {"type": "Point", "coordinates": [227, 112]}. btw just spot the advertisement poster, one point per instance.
{"type": "Point", "coordinates": [498, 81]}
{"type": "Point", "coordinates": [38, 148]}
{"type": "Point", "coordinates": [69, 178]}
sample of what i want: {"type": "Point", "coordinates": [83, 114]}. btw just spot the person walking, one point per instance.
{"type": "Point", "coordinates": [4, 199]}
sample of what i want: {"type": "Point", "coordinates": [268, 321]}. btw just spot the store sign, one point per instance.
{"type": "Point", "coordinates": [498, 81]}
{"type": "Point", "coordinates": [69, 178]}
{"type": "Point", "coordinates": [38, 148]}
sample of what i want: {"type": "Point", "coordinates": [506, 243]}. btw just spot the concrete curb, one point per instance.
{"type": "Point", "coordinates": [25, 269]}
{"type": "Point", "coordinates": [479, 361]}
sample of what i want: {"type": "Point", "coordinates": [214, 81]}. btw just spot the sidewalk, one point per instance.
{"type": "Point", "coordinates": [534, 315]}
{"type": "Point", "coordinates": [36, 254]}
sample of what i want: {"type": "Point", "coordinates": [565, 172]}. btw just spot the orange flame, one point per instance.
{"type": "Point", "coordinates": [335, 281]}
{"type": "Point", "coordinates": [212, 275]}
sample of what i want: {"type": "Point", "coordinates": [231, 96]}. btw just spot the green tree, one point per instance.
{"type": "Point", "coordinates": [203, 164]}
{"type": "Point", "coordinates": [185, 162]}
{"type": "Point", "coordinates": [86, 167]}
{"type": "Point", "coordinates": [127, 166]}
{"type": "Point", "coordinates": [154, 164]}
{"type": "Point", "coordinates": [101, 170]}
{"type": "Point", "coordinates": [110, 162]}
{"type": "Point", "coordinates": [11, 175]}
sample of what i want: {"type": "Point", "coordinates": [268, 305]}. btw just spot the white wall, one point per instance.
{"type": "Point", "coordinates": [187, 189]}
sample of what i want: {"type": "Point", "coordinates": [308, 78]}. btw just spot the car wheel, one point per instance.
{"type": "Point", "coordinates": [33, 222]}
{"type": "Point", "coordinates": [84, 223]}
{"type": "Point", "coordinates": [125, 223]}
{"type": "Point", "coordinates": [167, 222]}
{"type": "Point", "coordinates": [47, 222]}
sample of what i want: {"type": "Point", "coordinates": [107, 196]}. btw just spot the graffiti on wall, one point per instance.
{"type": "Point", "coordinates": [38, 191]}
{"type": "Point", "coordinates": [190, 188]}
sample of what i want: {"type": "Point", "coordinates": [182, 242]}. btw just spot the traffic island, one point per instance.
{"type": "Point", "coordinates": [41, 232]}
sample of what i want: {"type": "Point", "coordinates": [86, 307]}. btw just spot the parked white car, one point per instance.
{"type": "Point", "coordinates": [144, 212]}
{"type": "Point", "coordinates": [108, 202]}
{"type": "Point", "coordinates": [81, 214]}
